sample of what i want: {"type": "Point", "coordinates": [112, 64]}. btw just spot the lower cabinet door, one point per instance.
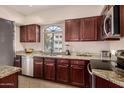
{"type": "Point", "coordinates": [112, 85]}
{"type": "Point", "coordinates": [38, 69]}
{"type": "Point", "coordinates": [101, 83]}
{"type": "Point", "coordinates": [77, 73]}
{"type": "Point", "coordinates": [10, 81]}
{"type": "Point", "coordinates": [63, 73]}
{"type": "Point", "coordinates": [49, 71]}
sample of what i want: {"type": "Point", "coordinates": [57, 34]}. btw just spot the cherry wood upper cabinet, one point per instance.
{"type": "Point", "coordinates": [30, 33]}
{"type": "Point", "coordinates": [88, 29]}
{"type": "Point", "coordinates": [72, 30]}
{"type": "Point", "coordinates": [84, 29]}
{"type": "Point", "coordinates": [122, 20]}
{"type": "Point", "coordinates": [23, 34]}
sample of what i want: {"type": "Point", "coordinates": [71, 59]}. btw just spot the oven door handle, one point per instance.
{"type": "Point", "coordinates": [88, 68]}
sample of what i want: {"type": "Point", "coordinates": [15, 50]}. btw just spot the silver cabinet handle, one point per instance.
{"type": "Point", "coordinates": [88, 68]}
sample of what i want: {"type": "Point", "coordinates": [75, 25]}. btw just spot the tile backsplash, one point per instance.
{"type": "Point", "coordinates": [90, 46]}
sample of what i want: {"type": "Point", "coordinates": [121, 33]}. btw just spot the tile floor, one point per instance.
{"type": "Point", "coordinates": [27, 82]}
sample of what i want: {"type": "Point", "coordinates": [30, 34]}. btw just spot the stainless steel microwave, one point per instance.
{"type": "Point", "coordinates": [111, 26]}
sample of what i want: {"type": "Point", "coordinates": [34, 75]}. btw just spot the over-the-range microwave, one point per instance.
{"type": "Point", "coordinates": [111, 26]}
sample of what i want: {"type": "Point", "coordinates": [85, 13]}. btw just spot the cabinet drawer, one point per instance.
{"type": "Point", "coordinates": [77, 66]}
{"type": "Point", "coordinates": [49, 60]}
{"type": "Point", "coordinates": [38, 59]}
{"type": "Point", "coordinates": [62, 61]}
{"type": "Point", "coordinates": [77, 62]}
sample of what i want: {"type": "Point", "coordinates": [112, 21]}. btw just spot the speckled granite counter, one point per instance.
{"type": "Point", "coordinates": [65, 56]}
{"type": "Point", "coordinates": [110, 76]}
{"type": "Point", "coordinates": [8, 70]}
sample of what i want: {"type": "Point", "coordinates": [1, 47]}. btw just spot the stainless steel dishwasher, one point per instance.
{"type": "Point", "coordinates": [27, 65]}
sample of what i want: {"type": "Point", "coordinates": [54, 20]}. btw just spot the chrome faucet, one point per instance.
{"type": "Point", "coordinates": [51, 51]}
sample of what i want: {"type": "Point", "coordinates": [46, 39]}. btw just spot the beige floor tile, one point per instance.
{"type": "Point", "coordinates": [27, 82]}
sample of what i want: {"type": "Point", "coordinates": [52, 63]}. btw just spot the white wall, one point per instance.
{"type": "Point", "coordinates": [116, 45]}
{"type": "Point", "coordinates": [6, 13]}
{"type": "Point", "coordinates": [54, 15]}
{"type": "Point", "coordinates": [18, 45]}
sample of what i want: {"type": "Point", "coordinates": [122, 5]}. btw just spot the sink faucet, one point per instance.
{"type": "Point", "coordinates": [51, 51]}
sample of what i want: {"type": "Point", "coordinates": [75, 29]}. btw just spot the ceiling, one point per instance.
{"type": "Point", "coordinates": [29, 9]}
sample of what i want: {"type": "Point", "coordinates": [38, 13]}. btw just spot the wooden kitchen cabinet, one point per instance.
{"type": "Point", "coordinates": [83, 29]}
{"type": "Point", "coordinates": [88, 29]}
{"type": "Point", "coordinates": [78, 73]}
{"type": "Point", "coordinates": [112, 85]}
{"type": "Point", "coordinates": [38, 67]}
{"type": "Point", "coordinates": [62, 70]}
{"type": "Point", "coordinates": [72, 30]}
{"type": "Point", "coordinates": [49, 69]}
{"type": "Point", "coordinates": [122, 20]}
{"type": "Point", "coordinates": [10, 81]}
{"type": "Point", "coordinates": [17, 62]}
{"type": "Point", "coordinates": [102, 83]}
{"type": "Point", "coordinates": [23, 34]}
{"type": "Point", "coordinates": [30, 33]}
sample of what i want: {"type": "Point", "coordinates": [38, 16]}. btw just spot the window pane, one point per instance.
{"type": "Point", "coordinates": [53, 38]}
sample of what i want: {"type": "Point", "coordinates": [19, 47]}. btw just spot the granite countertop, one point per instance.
{"type": "Point", "coordinates": [40, 54]}
{"type": "Point", "coordinates": [110, 76]}
{"type": "Point", "coordinates": [8, 70]}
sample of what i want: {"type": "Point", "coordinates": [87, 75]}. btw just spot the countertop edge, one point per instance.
{"type": "Point", "coordinates": [107, 77]}
{"type": "Point", "coordinates": [7, 73]}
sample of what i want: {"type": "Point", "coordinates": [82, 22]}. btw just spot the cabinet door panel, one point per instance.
{"type": "Point", "coordinates": [112, 85]}
{"type": "Point", "coordinates": [31, 33]}
{"type": "Point", "coordinates": [72, 29]}
{"type": "Point", "coordinates": [17, 62]}
{"type": "Point", "coordinates": [23, 34]}
{"type": "Point", "coordinates": [49, 71]}
{"type": "Point", "coordinates": [88, 29]}
{"type": "Point", "coordinates": [101, 83]}
{"type": "Point", "coordinates": [38, 69]}
{"type": "Point", "coordinates": [63, 73]}
{"type": "Point", "coordinates": [77, 75]}
{"type": "Point", "coordinates": [10, 81]}
{"type": "Point", "coordinates": [122, 20]}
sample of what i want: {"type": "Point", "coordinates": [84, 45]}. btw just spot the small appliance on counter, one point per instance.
{"type": "Point", "coordinates": [105, 53]}
{"type": "Point", "coordinates": [67, 52]}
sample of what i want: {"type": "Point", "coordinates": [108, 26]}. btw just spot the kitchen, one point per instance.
{"type": "Point", "coordinates": [66, 48]}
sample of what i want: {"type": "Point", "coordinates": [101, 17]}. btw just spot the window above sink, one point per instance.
{"type": "Point", "coordinates": [53, 39]}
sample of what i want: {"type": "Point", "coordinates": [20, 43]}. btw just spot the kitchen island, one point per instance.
{"type": "Point", "coordinates": [9, 76]}
{"type": "Point", "coordinates": [108, 79]}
